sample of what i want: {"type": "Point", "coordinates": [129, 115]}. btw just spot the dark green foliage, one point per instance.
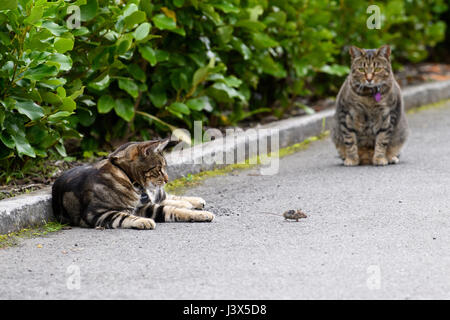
{"type": "Point", "coordinates": [142, 67]}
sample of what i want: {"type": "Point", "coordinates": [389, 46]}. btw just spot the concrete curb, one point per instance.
{"type": "Point", "coordinates": [25, 210]}
{"type": "Point", "coordinates": [32, 209]}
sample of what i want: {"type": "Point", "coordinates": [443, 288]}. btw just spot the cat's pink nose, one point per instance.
{"type": "Point", "coordinates": [369, 77]}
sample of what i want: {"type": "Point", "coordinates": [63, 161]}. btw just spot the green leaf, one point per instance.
{"type": "Point", "coordinates": [30, 109]}
{"type": "Point", "coordinates": [125, 109]}
{"type": "Point", "coordinates": [63, 62]}
{"type": "Point", "coordinates": [7, 140]}
{"type": "Point", "coordinates": [52, 83]}
{"type": "Point", "coordinates": [100, 83]}
{"type": "Point", "coordinates": [241, 48]}
{"type": "Point", "coordinates": [85, 116]}
{"type": "Point", "coordinates": [124, 44]}
{"type": "Point", "coordinates": [63, 44]}
{"type": "Point", "coordinates": [158, 95]}
{"type": "Point", "coordinates": [226, 7]}
{"type": "Point", "coordinates": [61, 92]}
{"type": "Point", "coordinates": [180, 107]}
{"type": "Point", "coordinates": [59, 115]}
{"type": "Point", "coordinates": [54, 28]}
{"type": "Point", "coordinates": [200, 76]}
{"type": "Point", "coordinates": [134, 18]}
{"type": "Point", "coordinates": [23, 147]}
{"type": "Point", "coordinates": [208, 11]}
{"type": "Point", "coordinates": [225, 33]}
{"type": "Point", "coordinates": [80, 31]}
{"type": "Point", "coordinates": [161, 55]}
{"type": "Point", "coordinates": [15, 128]}
{"type": "Point", "coordinates": [232, 81]}
{"type": "Point", "coordinates": [75, 94]}
{"type": "Point", "coordinates": [137, 72]}
{"type": "Point", "coordinates": [35, 15]}
{"type": "Point", "coordinates": [61, 149]}
{"type": "Point", "coordinates": [199, 104]}
{"type": "Point", "coordinates": [277, 18]}
{"type": "Point", "coordinates": [231, 92]}
{"type": "Point", "coordinates": [178, 3]}
{"type": "Point", "coordinates": [105, 104]}
{"type": "Point", "coordinates": [8, 5]}
{"type": "Point", "coordinates": [335, 69]}
{"type": "Point", "coordinates": [51, 98]}
{"type": "Point", "coordinates": [68, 104]}
{"type": "Point", "coordinates": [129, 86]}
{"type": "Point", "coordinates": [89, 11]}
{"type": "Point", "coordinates": [2, 116]}
{"type": "Point", "coordinates": [148, 54]}
{"type": "Point", "coordinates": [254, 26]}
{"type": "Point", "coordinates": [142, 31]}
{"type": "Point", "coordinates": [130, 9]}
{"type": "Point", "coordinates": [40, 72]}
{"type": "Point", "coordinates": [163, 22]}
{"type": "Point", "coordinates": [262, 40]}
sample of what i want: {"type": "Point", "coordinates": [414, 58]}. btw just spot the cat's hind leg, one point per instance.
{"type": "Point", "coordinates": [177, 203]}
{"type": "Point", "coordinates": [162, 213]}
{"type": "Point", "coordinates": [196, 202]}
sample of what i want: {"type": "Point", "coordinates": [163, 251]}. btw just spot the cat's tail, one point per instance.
{"type": "Point", "coordinates": [59, 212]}
{"type": "Point", "coordinates": [57, 201]}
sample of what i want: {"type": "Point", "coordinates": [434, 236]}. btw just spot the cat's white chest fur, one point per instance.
{"type": "Point", "coordinates": [156, 195]}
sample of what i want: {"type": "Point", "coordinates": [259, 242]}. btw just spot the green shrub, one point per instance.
{"type": "Point", "coordinates": [35, 100]}
{"type": "Point", "coordinates": [138, 68]}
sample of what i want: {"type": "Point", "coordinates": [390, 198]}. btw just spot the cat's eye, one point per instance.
{"type": "Point", "coordinates": [378, 69]}
{"type": "Point", "coordinates": [150, 169]}
{"type": "Point", "coordinates": [361, 69]}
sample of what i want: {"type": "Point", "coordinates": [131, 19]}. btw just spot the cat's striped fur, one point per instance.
{"type": "Point", "coordinates": [123, 191]}
{"type": "Point", "coordinates": [369, 126]}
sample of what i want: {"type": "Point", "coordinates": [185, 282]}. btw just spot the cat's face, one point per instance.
{"type": "Point", "coordinates": [370, 67]}
{"type": "Point", "coordinates": [144, 162]}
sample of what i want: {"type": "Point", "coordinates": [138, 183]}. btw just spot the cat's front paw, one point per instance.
{"type": "Point", "coordinates": [393, 160]}
{"type": "Point", "coordinates": [204, 216]}
{"type": "Point", "coordinates": [380, 161]}
{"type": "Point", "coordinates": [197, 202]}
{"type": "Point", "coordinates": [144, 224]}
{"type": "Point", "coordinates": [351, 162]}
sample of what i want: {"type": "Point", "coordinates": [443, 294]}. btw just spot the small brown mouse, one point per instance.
{"type": "Point", "coordinates": [294, 215]}
{"type": "Point", "coordinates": [291, 214]}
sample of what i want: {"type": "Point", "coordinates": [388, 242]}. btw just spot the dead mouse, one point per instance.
{"type": "Point", "coordinates": [294, 215]}
{"type": "Point", "coordinates": [290, 214]}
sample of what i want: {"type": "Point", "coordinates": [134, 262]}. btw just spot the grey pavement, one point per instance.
{"type": "Point", "coordinates": [371, 233]}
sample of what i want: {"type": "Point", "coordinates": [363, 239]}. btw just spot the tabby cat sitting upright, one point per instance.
{"type": "Point", "coordinates": [123, 191]}
{"type": "Point", "coordinates": [369, 126]}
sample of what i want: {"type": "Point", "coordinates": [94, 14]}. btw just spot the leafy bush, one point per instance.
{"type": "Point", "coordinates": [139, 67]}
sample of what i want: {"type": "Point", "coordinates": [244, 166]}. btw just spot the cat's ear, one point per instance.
{"type": "Point", "coordinates": [356, 52]}
{"type": "Point", "coordinates": [158, 146]}
{"type": "Point", "coordinates": [166, 143]}
{"type": "Point", "coordinates": [125, 151]}
{"type": "Point", "coordinates": [384, 51]}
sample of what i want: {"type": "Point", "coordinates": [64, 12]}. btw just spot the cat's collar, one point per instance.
{"type": "Point", "coordinates": [376, 91]}
{"type": "Point", "coordinates": [143, 192]}
{"type": "Point", "coordinates": [377, 95]}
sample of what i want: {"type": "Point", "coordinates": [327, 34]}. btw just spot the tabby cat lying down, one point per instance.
{"type": "Point", "coordinates": [123, 191]}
